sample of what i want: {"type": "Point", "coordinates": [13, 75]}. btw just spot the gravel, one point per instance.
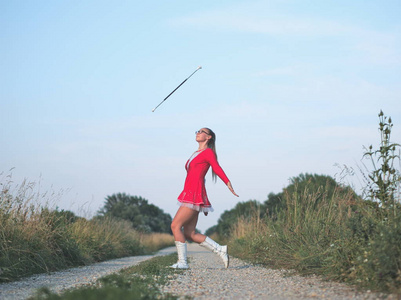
{"type": "Point", "coordinates": [208, 279]}
{"type": "Point", "coordinates": [71, 278]}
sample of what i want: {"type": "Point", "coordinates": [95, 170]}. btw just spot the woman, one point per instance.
{"type": "Point", "coordinates": [193, 199]}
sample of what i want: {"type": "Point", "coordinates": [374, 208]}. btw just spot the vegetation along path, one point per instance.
{"type": "Point", "coordinates": [72, 278]}
{"type": "Point", "coordinates": [208, 279]}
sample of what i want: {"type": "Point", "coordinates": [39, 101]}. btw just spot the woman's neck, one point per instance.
{"type": "Point", "coordinates": [202, 146]}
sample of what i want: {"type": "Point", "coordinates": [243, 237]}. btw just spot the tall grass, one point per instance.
{"type": "Point", "coordinates": [341, 237]}
{"type": "Point", "coordinates": [35, 238]}
{"type": "Point", "coordinates": [308, 223]}
{"type": "Point", "coordinates": [155, 241]}
{"type": "Point", "coordinates": [105, 238]}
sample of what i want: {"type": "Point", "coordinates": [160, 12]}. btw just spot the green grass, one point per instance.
{"type": "Point", "coordinates": [142, 281]}
{"type": "Point", "coordinates": [47, 241]}
{"type": "Point", "coordinates": [36, 239]}
{"type": "Point", "coordinates": [340, 237]}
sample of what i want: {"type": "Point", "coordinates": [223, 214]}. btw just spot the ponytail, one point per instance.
{"type": "Point", "coordinates": [212, 145]}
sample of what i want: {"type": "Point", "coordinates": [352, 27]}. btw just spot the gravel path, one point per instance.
{"type": "Point", "coordinates": [71, 278]}
{"type": "Point", "coordinates": [208, 279]}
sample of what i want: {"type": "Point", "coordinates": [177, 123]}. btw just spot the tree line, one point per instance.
{"type": "Point", "coordinates": [148, 218]}
{"type": "Point", "coordinates": [144, 217]}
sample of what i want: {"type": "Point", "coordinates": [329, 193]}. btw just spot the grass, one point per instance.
{"type": "Point", "coordinates": [142, 281]}
{"type": "Point", "coordinates": [35, 238]}
{"type": "Point", "coordinates": [340, 237]}
{"type": "Point", "coordinates": [156, 241]}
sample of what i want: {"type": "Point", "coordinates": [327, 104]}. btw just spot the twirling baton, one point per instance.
{"type": "Point", "coordinates": [177, 88]}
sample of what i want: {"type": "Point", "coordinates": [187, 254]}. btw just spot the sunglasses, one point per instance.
{"type": "Point", "coordinates": [201, 131]}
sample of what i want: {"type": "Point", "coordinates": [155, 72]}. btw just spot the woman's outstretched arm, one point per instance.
{"type": "Point", "coordinates": [230, 187]}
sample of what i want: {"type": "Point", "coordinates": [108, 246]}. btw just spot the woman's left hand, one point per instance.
{"type": "Point", "coordinates": [230, 187]}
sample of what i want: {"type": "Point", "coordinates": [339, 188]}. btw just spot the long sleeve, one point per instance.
{"type": "Point", "coordinates": [211, 159]}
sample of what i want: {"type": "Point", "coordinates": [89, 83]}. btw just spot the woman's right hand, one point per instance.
{"type": "Point", "coordinates": [230, 187]}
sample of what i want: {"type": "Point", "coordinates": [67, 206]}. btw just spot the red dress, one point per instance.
{"type": "Point", "coordinates": [194, 194]}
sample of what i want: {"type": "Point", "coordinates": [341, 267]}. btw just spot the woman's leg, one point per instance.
{"type": "Point", "coordinates": [222, 251]}
{"type": "Point", "coordinates": [184, 216]}
{"type": "Point", "coordinates": [190, 231]}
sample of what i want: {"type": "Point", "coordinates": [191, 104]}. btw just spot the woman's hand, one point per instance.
{"type": "Point", "coordinates": [230, 187]}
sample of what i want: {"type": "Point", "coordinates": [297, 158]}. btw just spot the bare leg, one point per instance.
{"type": "Point", "coordinates": [190, 233]}
{"type": "Point", "coordinates": [183, 217]}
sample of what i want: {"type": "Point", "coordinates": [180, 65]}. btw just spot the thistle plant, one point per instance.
{"type": "Point", "coordinates": [384, 179]}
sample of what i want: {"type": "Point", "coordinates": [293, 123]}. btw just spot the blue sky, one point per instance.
{"type": "Point", "coordinates": [288, 86]}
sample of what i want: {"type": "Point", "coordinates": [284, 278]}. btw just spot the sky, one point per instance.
{"type": "Point", "coordinates": [288, 86]}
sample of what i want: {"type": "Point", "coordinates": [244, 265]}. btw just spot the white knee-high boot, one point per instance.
{"type": "Point", "coordinates": [182, 256]}
{"type": "Point", "coordinates": [222, 251]}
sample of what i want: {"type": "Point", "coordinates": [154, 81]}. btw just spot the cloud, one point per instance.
{"type": "Point", "coordinates": [259, 19]}
{"type": "Point", "coordinates": [364, 43]}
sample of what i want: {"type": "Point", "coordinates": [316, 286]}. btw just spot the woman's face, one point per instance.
{"type": "Point", "coordinates": [203, 135]}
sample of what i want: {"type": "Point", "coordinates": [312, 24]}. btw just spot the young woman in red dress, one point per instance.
{"type": "Point", "coordinates": [193, 199]}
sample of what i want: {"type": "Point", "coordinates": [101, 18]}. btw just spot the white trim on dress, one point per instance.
{"type": "Point", "coordinates": [196, 207]}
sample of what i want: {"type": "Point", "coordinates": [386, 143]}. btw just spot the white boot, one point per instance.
{"type": "Point", "coordinates": [222, 251]}
{"type": "Point", "coordinates": [182, 256]}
